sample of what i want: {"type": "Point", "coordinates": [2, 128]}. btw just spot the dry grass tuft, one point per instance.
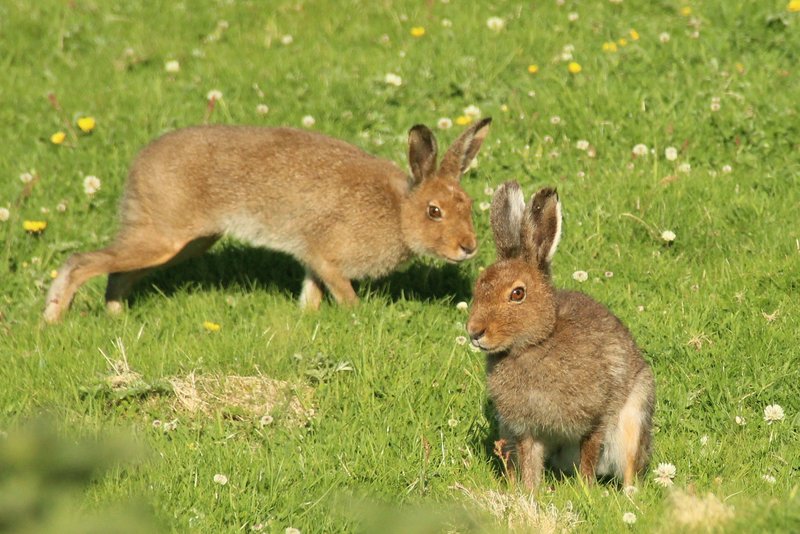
{"type": "Point", "coordinates": [706, 513]}
{"type": "Point", "coordinates": [521, 512]}
{"type": "Point", "coordinates": [243, 397]}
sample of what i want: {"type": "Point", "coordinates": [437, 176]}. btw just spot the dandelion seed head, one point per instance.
{"type": "Point", "coordinates": [172, 66]}
{"type": "Point", "coordinates": [220, 479]}
{"type": "Point", "coordinates": [671, 153]}
{"type": "Point", "coordinates": [452, 423]}
{"type": "Point", "coordinates": [286, 40]}
{"type": "Point", "coordinates": [555, 119]}
{"type": "Point", "coordinates": [91, 185]}
{"type": "Point", "coordinates": [629, 518]}
{"type": "Point", "coordinates": [26, 177]}
{"type": "Point", "coordinates": [393, 79]}
{"type": "Point", "coordinates": [462, 306]}
{"type": "Point", "coordinates": [640, 150]}
{"type": "Point", "coordinates": [668, 236]}
{"type": "Point", "coordinates": [685, 167]}
{"type": "Point", "coordinates": [444, 123]}
{"type": "Point", "coordinates": [580, 276]}
{"type": "Point", "coordinates": [582, 144]}
{"type": "Point", "coordinates": [461, 340]}
{"type": "Point", "coordinates": [308, 121]}
{"type": "Point", "coordinates": [265, 420]}
{"type": "Point", "coordinates": [484, 206]}
{"type": "Point", "coordinates": [472, 111]}
{"type": "Point", "coordinates": [4, 214]}
{"type": "Point", "coordinates": [262, 109]}
{"type": "Point", "coordinates": [214, 94]}
{"type": "Point", "coordinates": [495, 24]}
{"type": "Point", "coordinates": [664, 37]}
{"type": "Point", "coordinates": [769, 479]}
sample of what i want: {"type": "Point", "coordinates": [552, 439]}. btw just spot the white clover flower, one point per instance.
{"type": "Point", "coordinates": [265, 420]}
{"type": "Point", "coordinates": [769, 479]}
{"type": "Point", "coordinates": [220, 479]}
{"type": "Point", "coordinates": [715, 104]}
{"type": "Point", "coordinates": [287, 40]}
{"type": "Point", "coordinates": [580, 174]}
{"type": "Point", "coordinates": [488, 190]}
{"type": "Point", "coordinates": [172, 66]}
{"type": "Point", "coordinates": [773, 413]}
{"type": "Point", "coordinates": [572, 17]}
{"type": "Point", "coordinates": [26, 177]}
{"type": "Point", "coordinates": [214, 94]}
{"type": "Point", "coordinates": [484, 206]}
{"type": "Point", "coordinates": [671, 153]}
{"type": "Point", "coordinates": [640, 150]}
{"type": "Point", "coordinates": [4, 214]}
{"type": "Point", "coordinates": [91, 185]}
{"type": "Point", "coordinates": [668, 236]}
{"type": "Point", "coordinates": [727, 169]}
{"type": "Point", "coordinates": [547, 139]}
{"type": "Point", "coordinates": [461, 340]}
{"type": "Point", "coordinates": [665, 472]}
{"type": "Point", "coordinates": [629, 518]}
{"type": "Point", "coordinates": [582, 144]}
{"type": "Point", "coordinates": [308, 121]}
{"type": "Point", "coordinates": [664, 37]}
{"type": "Point", "coordinates": [462, 306]}
{"type": "Point", "coordinates": [393, 79]}
{"type": "Point", "coordinates": [444, 123]}
{"type": "Point", "coordinates": [703, 440]}
{"type": "Point", "coordinates": [580, 276]}
{"type": "Point", "coordinates": [472, 111]}
{"type": "Point", "coordinates": [740, 420]}
{"type": "Point", "coordinates": [555, 119]}
{"type": "Point", "coordinates": [685, 167]}
{"type": "Point", "coordinates": [262, 109]}
{"type": "Point", "coordinates": [495, 24]}
{"type": "Point", "coordinates": [452, 423]}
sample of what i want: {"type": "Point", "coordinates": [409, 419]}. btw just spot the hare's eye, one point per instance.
{"type": "Point", "coordinates": [517, 294]}
{"type": "Point", "coordinates": [434, 212]}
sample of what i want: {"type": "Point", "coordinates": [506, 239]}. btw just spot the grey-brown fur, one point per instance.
{"type": "Point", "coordinates": [567, 380]}
{"type": "Point", "coordinates": [343, 213]}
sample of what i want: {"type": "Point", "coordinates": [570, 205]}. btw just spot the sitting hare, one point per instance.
{"type": "Point", "coordinates": [568, 383]}
{"type": "Point", "coordinates": [343, 213]}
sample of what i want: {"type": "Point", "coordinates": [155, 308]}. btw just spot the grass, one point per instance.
{"type": "Point", "coordinates": [401, 432]}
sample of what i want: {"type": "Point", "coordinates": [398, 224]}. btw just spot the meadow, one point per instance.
{"type": "Point", "coordinates": [214, 404]}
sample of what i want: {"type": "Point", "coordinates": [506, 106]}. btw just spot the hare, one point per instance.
{"type": "Point", "coordinates": [341, 212]}
{"type": "Point", "coordinates": [567, 380]}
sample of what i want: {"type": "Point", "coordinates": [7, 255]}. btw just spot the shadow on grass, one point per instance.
{"type": "Point", "coordinates": [233, 266]}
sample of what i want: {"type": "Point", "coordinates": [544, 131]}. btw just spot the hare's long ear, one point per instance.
{"type": "Point", "coordinates": [541, 228]}
{"type": "Point", "coordinates": [421, 153]}
{"type": "Point", "coordinates": [462, 152]}
{"type": "Point", "coordinates": [508, 207]}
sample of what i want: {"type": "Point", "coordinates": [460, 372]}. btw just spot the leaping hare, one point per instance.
{"type": "Point", "coordinates": [343, 213]}
{"type": "Point", "coordinates": [568, 382]}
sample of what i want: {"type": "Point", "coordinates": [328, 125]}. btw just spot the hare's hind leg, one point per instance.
{"type": "Point", "coordinates": [590, 454]}
{"type": "Point", "coordinates": [120, 284]}
{"type": "Point", "coordinates": [634, 427]}
{"type": "Point", "coordinates": [128, 253]}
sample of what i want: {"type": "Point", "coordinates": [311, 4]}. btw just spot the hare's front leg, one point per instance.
{"type": "Point", "coordinates": [530, 460]}
{"type": "Point", "coordinates": [590, 454]}
{"type": "Point", "coordinates": [336, 282]}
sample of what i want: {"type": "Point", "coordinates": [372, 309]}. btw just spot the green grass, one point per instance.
{"type": "Point", "coordinates": [716, 313]}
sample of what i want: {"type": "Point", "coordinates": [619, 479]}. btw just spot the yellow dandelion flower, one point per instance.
{"type": "Point", "coordinates": [740, 67]}
{"type": "Point", "coordinates": [86, 124]}
{"type": "Point", "coordinates": [211, 327]}
{"type": "Point", "coordinates": [793, 6]}
{"type": "Point", "coordinates": [610, 46]}
{"type": "Point", "coordinates": [634, 35]}
{"type": "Point", "coordinates": [34, 227]}
{"type": "Point", "coordinates": [417, 31]}
{"type": "Point", "coordinates": [686, 11]}
{"type": "Point", "coordinates": [58, 138]}
{"type": "Point", "coordinates": [504, 108]}
{"type": "Point", "coordinates": [463, 120]}
{"type": "Point", "coordinates": [54, 274]}
{"type": "Point", "coordinates": [622, 41]}
{"type": "Point", "coordinates": [533, 68]}
{"type": "Point", "coordinates": [574, 67]}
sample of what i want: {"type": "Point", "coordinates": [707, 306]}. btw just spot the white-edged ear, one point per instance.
{"type": "Point", "coordinates": [508, 208]}
{"type": "Point", "coordinates": [541, 229]}
{"type": "Point", "coordinates": [463, 150]}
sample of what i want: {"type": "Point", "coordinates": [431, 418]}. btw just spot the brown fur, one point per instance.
{"type": "Point", "coordinates": [341, 212]}
{"type": "Point", "coordinates": [563, 372]}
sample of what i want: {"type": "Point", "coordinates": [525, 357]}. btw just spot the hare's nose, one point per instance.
{"type": "Point", "coordinates": [476, 335]}
{"type": "Point", "coordinates": [469, 248]}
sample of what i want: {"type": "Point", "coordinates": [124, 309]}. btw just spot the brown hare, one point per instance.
{"type": "Point", "coordinates": [567, 380]}
{"type": "Point", "coordinates": [343, 213]}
